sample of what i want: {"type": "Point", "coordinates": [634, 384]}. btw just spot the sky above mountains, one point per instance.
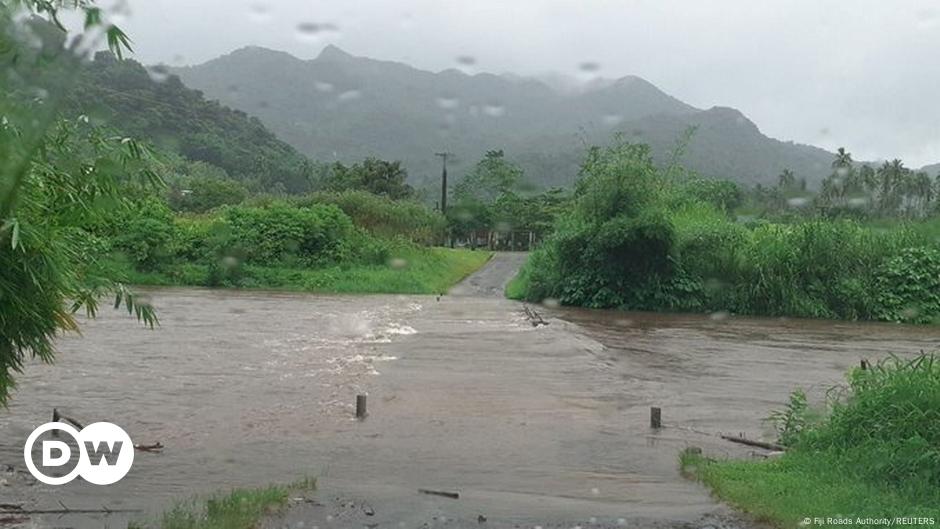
{"type": "Point", "coordinates": [853, 73]}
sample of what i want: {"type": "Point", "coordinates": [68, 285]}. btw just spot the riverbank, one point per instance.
{"type": "Point", "coordinates": [871, 457]}
{"type": "Point", "coordinates": [413, 271]}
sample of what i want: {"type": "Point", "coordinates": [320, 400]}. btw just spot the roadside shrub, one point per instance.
{"type": "Point", "coordinates": [908, 286]}
{"type": "Point", "coordinates": [382, 216]}
{"type": "Point", "coordinates": [145, 236]}
{"type": "Point", "coordinates": [282, 234]}
{"type": "Point", "coordinates": [886, 426]}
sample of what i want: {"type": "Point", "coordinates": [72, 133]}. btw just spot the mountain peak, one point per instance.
{"type": "Point", "coordinates": [333, 53]}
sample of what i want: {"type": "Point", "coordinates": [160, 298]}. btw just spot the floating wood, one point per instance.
{"type": "Point", "coordinates": [155, 447]}
{"type": "Point", "coordinates": [656, 417]}
{"type": "Point", "coordinates": [750, 442]}
{"type": "Point", "coordinates": [361, 407]}
{"type": "Point", "coordinates": [534, 317]}
{"type": "Point", "coordinates": [58, 417]}
{"type": "Point", "coordinates": [444, 493]}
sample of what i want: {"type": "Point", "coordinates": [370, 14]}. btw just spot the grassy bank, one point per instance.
{"type": "Point", "coordinates": [412, 271]}
{"type": "Point", "coordinates": [239, 509]}
{"type": "Point", "coordinates": [874, 453]}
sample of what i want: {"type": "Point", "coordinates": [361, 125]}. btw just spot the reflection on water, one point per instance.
{"type": "Point", "coordinates": [251, 388]}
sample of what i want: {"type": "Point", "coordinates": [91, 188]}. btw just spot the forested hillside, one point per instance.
{"type": "Point", "coordinates": [339, 106]}
{"type": "Point", "coordinates": [157, 107]}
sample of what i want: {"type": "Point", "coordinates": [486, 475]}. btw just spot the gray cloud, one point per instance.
{"type": "Point", "coordinates": [860, 74]}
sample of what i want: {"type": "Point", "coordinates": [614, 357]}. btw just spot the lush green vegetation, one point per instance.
{"type": "Point", "coordinates": [155, 105]}
{"type": "Point", "coordinates": [857, 191]}
{"type": "Point", "coordinates": [58, 177]}
{"type": "Point", "coordinates": [495, 196]}
{"type": "Point", "coordinates": [238, 509]}
{"type": "Point", "coordinates": [874, 452]}
{"type": "Point", "coordinates": [638, 237]}
{"type": "Point", "coordinates": [86, 208]}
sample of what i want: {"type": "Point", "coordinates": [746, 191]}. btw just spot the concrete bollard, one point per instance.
{"type": "Point", "coordinates": [656, 417]}
{"type": "Point", "coordinates": [361, 406]}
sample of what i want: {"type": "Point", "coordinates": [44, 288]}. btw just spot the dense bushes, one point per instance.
{"type": "Point", "coordinates": [872, 452]}
{"type": "Point", "coordinates": [638, 240]}
{"type": "Point", "coordinates": [278, 234]}
{"type": "Point", "coordinates": [886, 428]}
{"type": "Point", "coordinates": [383, 216]}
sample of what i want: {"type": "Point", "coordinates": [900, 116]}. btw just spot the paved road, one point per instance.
{"type": "Point", "coordinates": [491, 280]}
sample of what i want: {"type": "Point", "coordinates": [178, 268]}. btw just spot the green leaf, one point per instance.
{"type": "Point", "coordinates": [15, 236]}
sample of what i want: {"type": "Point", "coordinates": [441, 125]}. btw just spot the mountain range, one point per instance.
{"type": "Point", "coordinates": [342, 107]}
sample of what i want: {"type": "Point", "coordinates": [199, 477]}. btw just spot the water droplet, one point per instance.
{"type": "Point", "coordinates": [323, 87]}
{"type": "Point", "coordinates": [397, 263]}
{"type": "Point", "coordinates": [589, 67]}
{"type": "Point", "coordinates": [407, 20]}
{"type": "Point", "coordinates": [259, 12]}
{"type": "Point", "coordinates": [842, 172]}
{"type": "Point", "coordinates": [311, 31]}
{"type": "Point", "coordinates": [158, 73]}
{"type": "Point", "coordinates": [858, 202]}
{"type": "Point", "coordinates": [553, 303]}
{"type": "Point", "coordinates": [466, 60]}
{"type": "Point", "coordinates": [494, 110]}
{"type": "Point", "coordinates": [928, 18]}
{"type": "Point", "coordinates": [447, 102]}
{"type": "Point", "coordinates": [718, 315]}
{"type": "Point", "coordinates": [621, 521]}
{"type": "Point", "coordinates": [595, 491]}
{"type": "Point", "coordinates": [592, 519]}
{"type": "Point", "coordinates": [350, 95]}
{"type": "Point", "coordinates": [613, 119]}
{"type": "Point", "coordinates": [910, 312]}
{"type": "Point", "coordinates": [824, 131]}
{"type": "Point", "coordinates": [798, 202]}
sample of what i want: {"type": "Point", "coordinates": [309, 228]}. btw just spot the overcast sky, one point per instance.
{"type": "Point", "coordinates": [863, 74]}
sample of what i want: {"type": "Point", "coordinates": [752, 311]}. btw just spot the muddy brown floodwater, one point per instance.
{"type": "Point", "coordinates": [533, 426]}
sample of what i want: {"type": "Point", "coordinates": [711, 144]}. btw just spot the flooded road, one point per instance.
{"type": "Point", "coordinates": [544, 425]}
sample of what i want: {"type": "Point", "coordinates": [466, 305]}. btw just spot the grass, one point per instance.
{"type": "Point", "coordinates": [875, 454]}
{"type": "Point", "coordinates": [786, 491]}
{"type": "Point", "coordinates": [238, 509]}
{"type": "Point", "coordinates": [516, 287]}
{"type": "Point", "coordinates": [416, 271]}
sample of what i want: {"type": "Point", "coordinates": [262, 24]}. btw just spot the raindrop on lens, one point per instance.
{"type": "Point", "coordinates": [349, 95]}
{"type": "Point", "coordinates": [553, 303]}
{"type": "Point", "coordinates": [158, 73]}
{"type": "Point", "coordinates": [718, 316]}
{"type": "Point", "coordinates": [494, 110]}
{"type": "Point", "coordinates": [612, 119]}
{"type": "Point", "coordinates": [259, 12]}
{"type": "Point", "coordinates": [798, 202]}
{"type": "Point", "coordinates": [397, 263]}
{"type": "Point", "coordinates": [589, 67]}
{"type": "Point", "coordinates": [323, 87]}
{"type": "Point", "coordinates": [447, 103]}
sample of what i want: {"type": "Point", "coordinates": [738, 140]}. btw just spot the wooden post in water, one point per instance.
{"type": "Point", "coordinates": [863, 364]}
{"type": "Point", "coordinates": [360, 406]}
{"type": "Point", "coordinates": [656, 417]}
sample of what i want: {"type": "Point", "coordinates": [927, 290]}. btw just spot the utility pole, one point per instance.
{"type": "Point", "coordinates": [443, 156]}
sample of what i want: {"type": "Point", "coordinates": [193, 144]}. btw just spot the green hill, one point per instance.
{"type": "Point", "coordinates": [157, 107]}
{"type": "Point", "coordinates": [338, 106]}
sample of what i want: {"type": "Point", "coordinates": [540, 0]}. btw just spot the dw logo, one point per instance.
{"type": "Point", "coordinates": [105, 454]}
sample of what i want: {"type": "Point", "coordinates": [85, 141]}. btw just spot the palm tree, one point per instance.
{"type": "Point", "coordinates": [843, 159]}
{"type": "Point", "coordinates": [786, 180]}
